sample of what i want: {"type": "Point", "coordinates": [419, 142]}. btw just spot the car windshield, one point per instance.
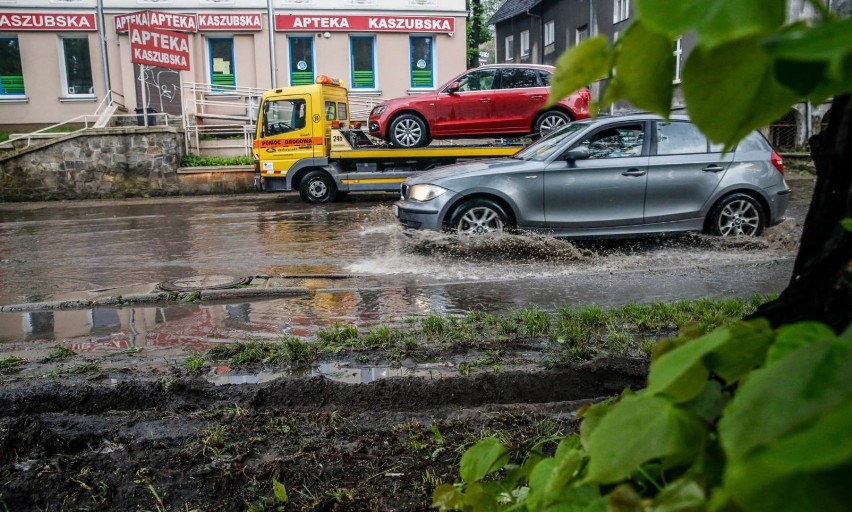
{"type": "Point", "coordinates": [552, 143]}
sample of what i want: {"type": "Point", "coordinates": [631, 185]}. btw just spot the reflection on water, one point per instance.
{"type": "Point", "coordinates": [336, 372]}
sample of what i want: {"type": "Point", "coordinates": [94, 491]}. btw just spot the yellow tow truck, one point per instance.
{"type": "Point", "coordinates": [304, 141]}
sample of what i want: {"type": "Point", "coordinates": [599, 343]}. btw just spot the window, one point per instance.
{"type": "Point", "coordinates": [222, 75]}
{"type": "Point", "coordinates": [301, 60]}
{"type": "Point", "coordinates": [616, 142]}
{"type": "Point", "coordinates": [549, 33]}
{"type": "Point", "coordinates": [581, 34]}
{"type": "Point", "coordinates": [283, 116]}
{"type": "Point", "coordinates": [363, 70]}
{"type": "Point", "coordinates": [11, 76]}
{"type": "Point", "coordinates": [478, 80]}
{"type": "Point", "coordinates": [516, 78]}
{"type": "Point", "coordinates": [525, 43]}
{"type": "Point", "coordinates": [76, 67]}
{"type": "Point", "coordinates": [620, 10]}
{"type": "Point", "coordinates": [510, 48]}
{"type": "Point", "coordinates": [679, 139]}
{"type": "Point", "coordinates": [421, 62]}
{"type": "Point", "coordinates": [678, 54]}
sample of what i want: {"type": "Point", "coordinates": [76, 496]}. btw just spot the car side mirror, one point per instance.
{"type": "Point", "coordinates": [578, 153]}
{"type": "Point", "coordinates": [454, 87]}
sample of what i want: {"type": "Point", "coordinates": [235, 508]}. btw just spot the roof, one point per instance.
{"type": "Point", "coordinates": [512, 8]}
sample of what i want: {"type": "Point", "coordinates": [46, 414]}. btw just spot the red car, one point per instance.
{"type": "Point", "coordinates": [497, 100]}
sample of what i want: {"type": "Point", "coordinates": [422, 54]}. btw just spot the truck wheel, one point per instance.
{"type": "Point", "coordinates": [317, 187]}
{"type": "Point", "coordinates": [408, 131]}
{"type": "Point", "coordinates": [478, 217]}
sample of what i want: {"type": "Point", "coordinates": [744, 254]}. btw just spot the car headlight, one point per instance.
{"type": "Point", "coordinates": [378, 110]}
{"type": "Point", "coordinates": [425, 192]}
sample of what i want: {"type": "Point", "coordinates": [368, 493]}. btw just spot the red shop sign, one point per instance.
{"type": "Point", "coordinates": [156, 47]}
{"type": "Point", "coordinates": [231, 21]}
{"type": "Point", "coordinates": [157, 19]}
{"type": "Point", "coordinates": [60, 22]}
{"type": "Point", "coordinates": [312, 23]}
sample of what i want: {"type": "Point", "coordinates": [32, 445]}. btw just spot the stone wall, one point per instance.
{"type": "Point", "coordinates": [111, 163]}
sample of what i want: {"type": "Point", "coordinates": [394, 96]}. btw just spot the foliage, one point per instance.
{"type": "Point", "coordinates": [477, 31]}
{"type": "Point", "coordinates": [742, 418]}
{"type": "Point", "coordinates": [193, 160]}
{"type": "Point", "coordinates": [747, 68]}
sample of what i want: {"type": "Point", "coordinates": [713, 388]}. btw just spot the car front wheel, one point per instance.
{"type": "Point", "coordinates": [551, 120]}
{"type": "Point", "coordinates": [408, 131]}
{"type": "Point", "coordinates": [317, 187]}
{"type": "Point", "coordinates": [479, 217]}
{"type": "Point", "coordinates": [737, 215]}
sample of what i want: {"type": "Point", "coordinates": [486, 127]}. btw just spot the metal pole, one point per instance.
{"type": "Point", "coordinates": [104, 60]}
{"type": "Point", "coordinates": [270, 15]}
{"type": "Point", "coordinates": [144, 99]}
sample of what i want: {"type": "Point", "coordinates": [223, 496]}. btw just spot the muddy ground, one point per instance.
{"type": "Point", "coordinates": [130, 440]}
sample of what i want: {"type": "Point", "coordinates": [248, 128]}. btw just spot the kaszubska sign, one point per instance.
{"type": "Point", "coordinates": [157, 47]}
{"type": "Point", "coordinates": [20, 22]}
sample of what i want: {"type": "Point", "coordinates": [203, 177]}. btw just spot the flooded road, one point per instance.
{"type": "Point", "coordinates": [362, 270]}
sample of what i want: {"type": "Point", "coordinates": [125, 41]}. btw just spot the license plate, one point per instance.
{"type": "Point", "coordinates": [395, 211]}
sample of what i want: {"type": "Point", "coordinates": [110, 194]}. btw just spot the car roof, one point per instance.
{"type": "Point", "coordinates": [636, 116]}
{"type": "Point", "coordinates": [544, 67]}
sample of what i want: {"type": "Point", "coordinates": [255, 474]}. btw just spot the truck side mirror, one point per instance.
{"type": "Point", "coordinates": [578, 153]}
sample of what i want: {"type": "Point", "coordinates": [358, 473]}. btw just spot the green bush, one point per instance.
{"type": "Point", "coordinates": [191, 160]}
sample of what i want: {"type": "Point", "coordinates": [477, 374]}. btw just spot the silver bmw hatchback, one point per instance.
{"type": "Point", "coordinates": [609, 177]}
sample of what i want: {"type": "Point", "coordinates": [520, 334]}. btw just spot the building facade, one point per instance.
{"type": "Point", "coordinates": [60, 58]}
{"type": "Point", "coordinates": [539, 31]}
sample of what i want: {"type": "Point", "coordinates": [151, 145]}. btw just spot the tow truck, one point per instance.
{"type": "Point", "coordinates": [304, 141]}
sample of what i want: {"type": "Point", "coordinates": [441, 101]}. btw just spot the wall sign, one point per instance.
{"type": "Point", "coordinates": [157, 19]}
{"type": "Point", "coordinates": [48, 21]}
{"type": "Point", "coordinates": [157, 47]}
{"type": "Point", "coordinates": [231, 21]}
{"type": "Point", "coordinates": [312, 23]}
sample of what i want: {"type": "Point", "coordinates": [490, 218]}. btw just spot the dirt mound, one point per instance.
{"type": "Point", "coordinates": [185, 444]}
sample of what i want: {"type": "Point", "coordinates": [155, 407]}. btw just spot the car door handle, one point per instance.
{"type": "Point", "coordinates": [713, 168]}
{"type": "Point", "coordinates": [531, 176]}
{"type": "Point", "coordinates": [633, 172]}
{"type": "Point", "coordinates": [484, 100]}
{"type": "Point", "coordinates": [536, 97]}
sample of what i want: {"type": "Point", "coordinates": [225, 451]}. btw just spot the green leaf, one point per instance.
{"type": "Point", "coordinates": [484, 457]}
{"type": "Point", "coordinates": [824, 42]}
{"type": "Point", "coordinates": [786, 397]}
{"type": "Point", "coordinates": [645, 65]}
{"type": "Point", "coordinates": [447, 497]}
{"type": "Point", "coordinates": [796, 472]}
{"type": "Point", "coordinates": [792, 337]}
{"type": "Point", "coordinates": [617, 448]}
{"type": "Point", "coordinates": [682, 495]}
{"type": "Point", "coordinates": [731, 90]}
{"type": "Point", "coordinates": [709, 404]}
{"type": "Point", "coordinates": [592, 417]}
{"type": "Point", "coordinates": [279, 491]}
{"type": "Point", "coordinates": [716, 21]}
{"type": "Point", "coordinates": [580, 66]}
{"type": "Point", "coordinates": [481, 496]}
{"type": "Point", "coordinates": [744, 350]}
{"type": "Point", "coordinates": [847, 224]}
{"type": "Point", "coordinates": [551, 476]}
{"type": "Point", "coordinates": [681, 373]}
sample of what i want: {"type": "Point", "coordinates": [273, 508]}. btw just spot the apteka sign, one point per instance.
{"type": "Point", "coordinates": [309, 22]}
{"type": "Point", "coordinates": [157, 19]}
{"type": "Point", "coordinates": [157, 47]}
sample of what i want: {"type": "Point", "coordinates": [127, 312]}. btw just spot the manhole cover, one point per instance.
{"type": "Point", "coordinates": [196, 283]}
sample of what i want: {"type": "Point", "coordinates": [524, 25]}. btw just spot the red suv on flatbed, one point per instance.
{"type": "Point", "coordinates": [497, 100]}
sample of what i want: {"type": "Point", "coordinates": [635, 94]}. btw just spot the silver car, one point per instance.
{"type": "Point", "coordinates": [609, 177]}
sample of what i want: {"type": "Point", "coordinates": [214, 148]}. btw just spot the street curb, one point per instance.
{"type": "Point", "coordinates": [118, 301]}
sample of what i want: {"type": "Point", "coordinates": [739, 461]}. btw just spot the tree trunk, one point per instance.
{"type": "Point", "coordinates": [821, 286]}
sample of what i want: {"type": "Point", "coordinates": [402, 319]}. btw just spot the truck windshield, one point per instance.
{"type": "Point", "coordinates": [282, 116]}
{"type": "Point", "coordinates": [552, 143]}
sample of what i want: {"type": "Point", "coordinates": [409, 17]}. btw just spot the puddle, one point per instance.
{"type": "Point", "coordinates": [338, 372]}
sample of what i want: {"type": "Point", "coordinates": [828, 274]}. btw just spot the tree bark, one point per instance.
{"type": "Point", "coordinates": [821, 286]}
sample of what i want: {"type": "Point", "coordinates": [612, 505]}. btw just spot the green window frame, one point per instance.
{"type": "Point", "coordinates": [421, 63]}
{"type": "Point", "coordinates": [301, 60]}
{"type": "Point", "coordinates": [11, 73]}
{"type": "Point", "coordinates": [223, 75]}
{"type": "Point", "coordinates": [362, 51]}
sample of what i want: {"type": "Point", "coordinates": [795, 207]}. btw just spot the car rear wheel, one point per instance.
{"type": "Point", "coordinates": [317, 187]}
{"type": "Point", "coordinates": [479, 217]}
{"type": "Point", "coordinates": [737, 215]}
{"type": "Point", "coordinates": [549, 121]}
{"type": "Point", "coordinates": [408, 131]}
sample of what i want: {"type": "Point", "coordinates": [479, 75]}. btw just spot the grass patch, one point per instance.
{"type": "Point", "coordinates": [194, 364]}
{"type": "Point", "coordinates": [11, 362]}
{"type": "Point", "coordinates": [60, 352]}
{"type": "Point", "coordinates": [290, 351]}
{"type": "Point", "coordinates": [191, 160]}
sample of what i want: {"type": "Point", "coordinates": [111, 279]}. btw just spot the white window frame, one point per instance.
{"type": "Point", "coordinates": [525, 43]}
{"type": "Point", "coordinates": [549, 33]}
{"type": "Point", "coordinates": [510, 48]}
{"type": "Point", "coordinates": [620, 10]}
{"type": "Point", "coordinates": [678, 55]}
{"type": "Point", "coordinates": [63, 72]}
{"type": "Point", "coordinates": [578, 33]}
